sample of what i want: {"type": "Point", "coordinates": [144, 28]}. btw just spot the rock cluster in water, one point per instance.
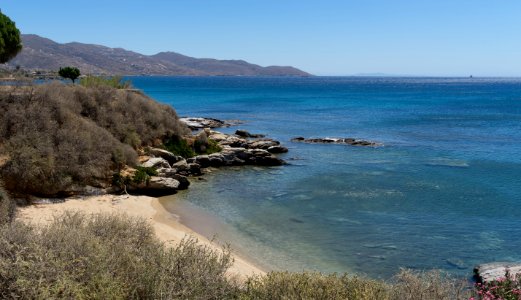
{"type": "Point", "coordinates": [242, 148]}
{"type": "Point", "coordinates": [344, 141]}
{"type": "Point", "coordinates": [200, 123]}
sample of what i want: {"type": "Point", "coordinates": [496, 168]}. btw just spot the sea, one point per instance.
{"type": "Point", "coordinates": [442, 192]}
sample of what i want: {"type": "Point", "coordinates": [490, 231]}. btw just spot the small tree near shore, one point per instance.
{"type": "Point", "coordinates": [10, 41]}
{"type": "Point", "coordinates": [71, 73]}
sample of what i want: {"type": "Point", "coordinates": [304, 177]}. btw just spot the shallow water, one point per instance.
{"type": "Point", "coordinates": [443, 192]}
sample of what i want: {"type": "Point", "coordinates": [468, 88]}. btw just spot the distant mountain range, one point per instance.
{"type": "Point", "coordinates": [44, 54]}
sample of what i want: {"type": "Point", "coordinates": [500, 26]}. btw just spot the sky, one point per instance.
{"type": "Point", "coordinates": [327, 37]}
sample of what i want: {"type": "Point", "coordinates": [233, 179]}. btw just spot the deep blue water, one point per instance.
{"type": "Point", "coordinates": [444, 192]}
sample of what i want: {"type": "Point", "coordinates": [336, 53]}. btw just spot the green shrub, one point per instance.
{"type": "Point", "coordinates": [71, 73]}
{"type": "Point", "coordinates": [120, 181]}
{"type": "Point", "coordinates": [100, 81]}
{"type": "Point", "coordinates": [179, 146]}
{"type": "Point", "coordinates": [107, 257]}
{"type": "Point", "coordinates": [212, 147]}
{"type": "Point", "coordinates": [143, 174]}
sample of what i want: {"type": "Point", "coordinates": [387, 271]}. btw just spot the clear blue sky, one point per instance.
{"type": "Point", "coordinates": [414, 37]}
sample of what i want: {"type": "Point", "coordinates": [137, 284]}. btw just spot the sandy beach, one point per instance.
{"type": "Point", "coordinates": [166, 226]}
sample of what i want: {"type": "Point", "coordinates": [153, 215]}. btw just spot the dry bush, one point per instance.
{"type": "Point", "coordinates": [7, 207]}
{"type": "Point", "coordinates": [106, 257]}
{"type": "Point", "coordinates": [117, 257]}
{"type": "Point", "coordinates": [419, 285]}
{"type": "Point", "coordinates": [287, 285]}
{"type": "Point", "coordinates": [58, 135]}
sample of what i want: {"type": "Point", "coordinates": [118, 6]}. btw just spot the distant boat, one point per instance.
{"type": "Point", "coordinates": [470, 76]}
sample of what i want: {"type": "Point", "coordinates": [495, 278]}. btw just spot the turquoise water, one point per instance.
{"type": "Point", "coordinates": [444, 192]}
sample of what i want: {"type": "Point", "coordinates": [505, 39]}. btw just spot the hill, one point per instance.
{"type": "Point", "coordinates": [44, 54]}
{"type": "Point", "coordinates": [56, 137]}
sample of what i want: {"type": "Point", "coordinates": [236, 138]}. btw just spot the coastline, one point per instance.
{"type": "Point", "coordinates": [167, 227]}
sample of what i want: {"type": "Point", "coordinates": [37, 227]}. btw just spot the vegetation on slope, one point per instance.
{"type": "Point", "coordinates": [116, 82]}
{"type": "Point", "coordinates": [81, 256]}
{"type": "Point", "coordinates": [7, 207]}
{"type": "Point", "coordinates": [56, 136]}
{"type": "Point", "coordinates": [106, 257]}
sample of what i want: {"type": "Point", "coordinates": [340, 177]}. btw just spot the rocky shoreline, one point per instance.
{"type": "Point", "coordinates": [173, 171]}
{"type": "Point", "coordinates": [160, 172]}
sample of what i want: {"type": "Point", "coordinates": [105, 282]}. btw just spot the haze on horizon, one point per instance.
{"type": "Point", "coordinates": [430, 38]}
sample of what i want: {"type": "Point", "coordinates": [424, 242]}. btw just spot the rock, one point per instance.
{"type": "Point", "coordinates": [246, 134]}
{"type": "Point", "coordinates": [217, 136]}
{"type": "Point", "coordinates": [238, 144]}
{"type": "Point", "coordinates": [203, 161]}
{"type": "Point", "coordinates": [344, 141]}
{"type": "Point", "coordinates": [174, 174]}
{"type": "Point", "coordinates": [243, 154]}
{"type": "Point", "coordinates": [216, 160]}
{"type": "Point", "coordinates": [157, 186]}
{"type": "Point", "coordinates": [165, 183]}
{"type": "Point", "coordinates": [167, 172]}
{"type": "Point", "coordinates": [184, 183]}
{"type": "Point", "coordinates": [168, 156]}
{"type": "Point", "coordinates": [277, 149]}
{"type": "Point", "coordinates": [194, 169]}
{"type": "Point", "coordinates": [456, 263]}
{"type": "Point", "coordinates": [496, 270]}
{"type": "Point", "coordinates": [263, 144]}
{"type": "Point", "coordinates": [156, 162]}
{"type": "Point", "coordinates": [236, 162]}
{"type": "Point", "coordinates": [199, 123]}
{"type": "Point", "coordinates": [180, 165]}
{"type": "Point", "coordinates": [267, 161]}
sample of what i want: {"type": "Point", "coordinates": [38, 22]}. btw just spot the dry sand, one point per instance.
{"type": "Point", "coordinates": [167, 227]}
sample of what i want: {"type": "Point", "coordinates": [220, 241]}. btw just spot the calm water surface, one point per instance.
{"type": "Point", "coordinates": [444, 192]}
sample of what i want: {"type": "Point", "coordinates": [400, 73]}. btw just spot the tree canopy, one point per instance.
{"type": "Point", "coordinates": [10, 41]}
{"type": "Point", "coordinates": [71, 73]}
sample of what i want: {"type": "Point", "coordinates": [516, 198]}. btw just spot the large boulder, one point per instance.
{"type": "Point", "coordinates": [203, 161]}
{"type": "Point", "coordinates": [216, 160]}
{"type": "Point", "coordinates": [156, 162]}
{"type": "Point", "coordinates": [163, 183]}
{"type": "Point", "coordinates": [167, 172]}
{"type": "Point", "coordinates": [194, 169]}
{"type": "Point", "coordinates": [263, 144]}
{"type": "Point", "coordinates": [157, 186]}
{"type": "Point", "coordinates": [277, 149]}
{"type": "Point", "coordinates": [246, 134]}
{"type": "Point", "coordinates": [167, 155]}
{"type": "Point", "coordinates": [183, 181]}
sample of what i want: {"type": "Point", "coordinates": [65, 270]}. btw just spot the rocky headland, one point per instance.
{"type": "Point", "coordinates": [172, 172]}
